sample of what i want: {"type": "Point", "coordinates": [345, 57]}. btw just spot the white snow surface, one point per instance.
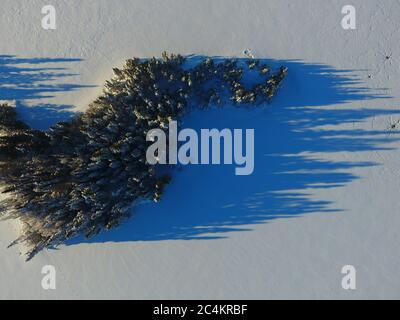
{"type": "Point", "coordinates": [326, 185]}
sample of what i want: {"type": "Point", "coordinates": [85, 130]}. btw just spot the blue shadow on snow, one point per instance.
{"type": "Point", "coordinates": [208, 202]}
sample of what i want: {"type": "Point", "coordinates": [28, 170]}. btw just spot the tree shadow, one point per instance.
{"type": "Point", "coordinates": [291, 137]}
{"type": "Point", "coordinates": [23, 79]}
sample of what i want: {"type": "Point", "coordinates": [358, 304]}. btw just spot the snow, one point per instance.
{"type": "Point", "coordinates": [324, 191]}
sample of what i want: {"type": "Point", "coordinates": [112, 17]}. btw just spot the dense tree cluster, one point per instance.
{"type": "Point", "coordinates": [84, 175]}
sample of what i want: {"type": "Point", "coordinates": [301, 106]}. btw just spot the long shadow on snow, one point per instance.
{"type": "Point", "coordinates": [207, 202]}
{"type": "Point", "coordinates": [24, 79]}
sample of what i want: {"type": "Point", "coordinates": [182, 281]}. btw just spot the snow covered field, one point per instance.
{"type": "Point", "coordinates": [324, 193]}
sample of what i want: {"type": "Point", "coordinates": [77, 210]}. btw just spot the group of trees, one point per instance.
{"type": "Point", "coordinates": [84, 175]}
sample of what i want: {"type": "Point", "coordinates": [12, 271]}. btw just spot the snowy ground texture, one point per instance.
{"type": "Point", "coordinates": [325, 189]}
